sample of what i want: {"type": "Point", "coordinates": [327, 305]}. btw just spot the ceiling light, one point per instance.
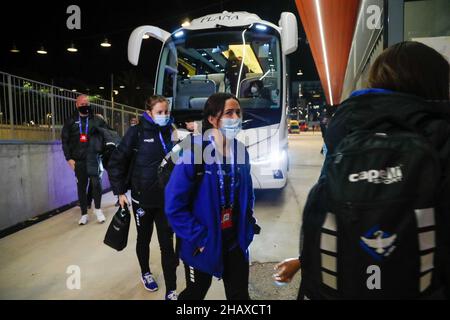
{"type": "Point", "coordinates": [72, 48]}
{"type": "Point", "coordinates": [105, 43]}
{"type": "Point", "coordinates": [41, 50]}
{"type": "Point", "coordinates": [14, 49]}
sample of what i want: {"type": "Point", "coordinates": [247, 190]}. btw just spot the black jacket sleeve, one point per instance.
{"type": "Point", "coordinates": [120, 161]}
{"type": "Point", "coordinates": [110, 136]}
{"type": "Point", "coordinates": [65, 139]}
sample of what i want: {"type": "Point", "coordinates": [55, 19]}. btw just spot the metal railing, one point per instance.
{"type": "Point", "coordinates": [35, 111]}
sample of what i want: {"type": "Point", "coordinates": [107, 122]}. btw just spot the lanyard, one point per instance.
{"type": "Point", "coordinates": [223, 202]}
{"type": "Point", "coordinates": [166, 151]}
{"type": "Point", "coordinates": [87, 125]}
{"type": "Point", "coordinates": [163, 143]}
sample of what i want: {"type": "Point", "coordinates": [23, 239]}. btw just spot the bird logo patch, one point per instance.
{"type": "Point", "coordinates": [379, 244]}
{"type": "Point", "coordinates": [140, 212]}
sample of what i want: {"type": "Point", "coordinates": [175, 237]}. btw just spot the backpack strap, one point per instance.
{"type": "Point", "coordinates": [136, 145]}
{"type": "Point", "coordinates": [140, 133]}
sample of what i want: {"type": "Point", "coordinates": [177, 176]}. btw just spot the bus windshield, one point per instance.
{"type": "Point", "coordinates": [244, 62]}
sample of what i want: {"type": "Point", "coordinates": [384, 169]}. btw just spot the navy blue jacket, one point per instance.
{"type": "Point", "coordinates": [193, 211]}
{"type": "Point", "coordinates": [430, 119]}
{"type": "Point", "coordinates": [142, 142]}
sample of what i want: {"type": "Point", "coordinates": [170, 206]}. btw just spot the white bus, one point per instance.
{"type": "Point", "coordinates": [231, 52]}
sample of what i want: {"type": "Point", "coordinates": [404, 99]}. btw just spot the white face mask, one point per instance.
{"type": "Point", "coordinates": [161, 119]}
{"type": "Point", "coordinates": [230, 127]}
{"type": "Point", "coordinates": [254, 89]}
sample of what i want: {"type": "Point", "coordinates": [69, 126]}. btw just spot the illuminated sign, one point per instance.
{"type": "Point", "coordinates": [219, 18]}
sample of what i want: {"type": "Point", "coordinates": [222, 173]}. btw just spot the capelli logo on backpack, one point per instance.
{"type": "Point", "coordinates": [386, 176]}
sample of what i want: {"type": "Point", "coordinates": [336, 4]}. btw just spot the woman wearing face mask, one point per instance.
{"type": "Point", "coordinates": [152, 138]}
{"type": "Point", "coordinates": [213, 217]}
{"type": "Point", "coordinates": [257, 90]}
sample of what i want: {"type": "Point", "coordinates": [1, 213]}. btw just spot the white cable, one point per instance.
{"type": "Point", "coordinates": [242, 64]}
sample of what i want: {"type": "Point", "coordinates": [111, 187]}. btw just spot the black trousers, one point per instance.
{"type": "Point", "coordinates": [235, 278]}
{"type": "Point", "coordinates": [82, 184]}
{"type": "Point", "coordinates": [90, 196]}
{"type": "Point", "coordinates": [145, 217]}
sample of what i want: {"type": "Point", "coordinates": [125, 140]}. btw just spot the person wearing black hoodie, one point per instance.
{"type": "Point", "coordinates": [410, 82]}
{"type": "Point", "coordinates": [81, 143]}
{"type": "Point", "coordinates": [140, 153]}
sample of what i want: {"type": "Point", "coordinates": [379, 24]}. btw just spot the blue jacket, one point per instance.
{"type": "Point", "coordinates": [193, 211]}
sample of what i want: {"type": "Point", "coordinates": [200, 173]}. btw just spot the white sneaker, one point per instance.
{"type": "Point", "coordinates": [83, 220]}
{"type": "Point", "coordinates": [100, 216]}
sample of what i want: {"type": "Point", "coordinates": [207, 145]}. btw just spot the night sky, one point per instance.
{"type": "Point", "coordinates": [31, 24]}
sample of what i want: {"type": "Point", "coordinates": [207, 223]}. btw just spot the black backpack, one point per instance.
{"type": "Point", "coordinates": [168, 163]}
{"type": "Point", "coordinates": [370, 229]}
{"type": "Point", "coordinates": [111, 140]}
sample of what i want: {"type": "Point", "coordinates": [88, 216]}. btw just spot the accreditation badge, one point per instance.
{"type": "Point", "coordinates": [83, 138]}
{"type": "Point", "coordinates": [226, 218]}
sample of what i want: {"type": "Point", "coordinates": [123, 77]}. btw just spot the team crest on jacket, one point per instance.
{"type": "Point", "coordinates": [379, 244]}
{"type": "Point", "coordinates": [140, 212]}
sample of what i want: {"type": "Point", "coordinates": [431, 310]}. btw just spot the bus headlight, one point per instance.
{"type": "Point", "coordinates": [274, 159]}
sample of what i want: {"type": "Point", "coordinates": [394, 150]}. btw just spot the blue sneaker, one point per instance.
{"type": "Point", "coordinates": [149, 282]}
{"type": "Point", "coordinates": [172, 295]}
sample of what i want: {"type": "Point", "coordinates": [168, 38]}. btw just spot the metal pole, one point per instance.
{"type": "Point", "coordinates": [112, 97]}
{"type": "Point", "coordinates": [112, 90]}
{"type": "Point", "coordinates": [11, 110]}
{"type": "Point", "coordinates": [123, 122]}
{"type": "Point", "coordinates": [111, 122]}
{"type": "Point", "coordinates": [105, 114]}
{"type": "Point", "coordinates": [307, 116]}
{"type": "Point", "coordinates": [112, 103]}
{"type": "Point", "coordinates": [52, 111]}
